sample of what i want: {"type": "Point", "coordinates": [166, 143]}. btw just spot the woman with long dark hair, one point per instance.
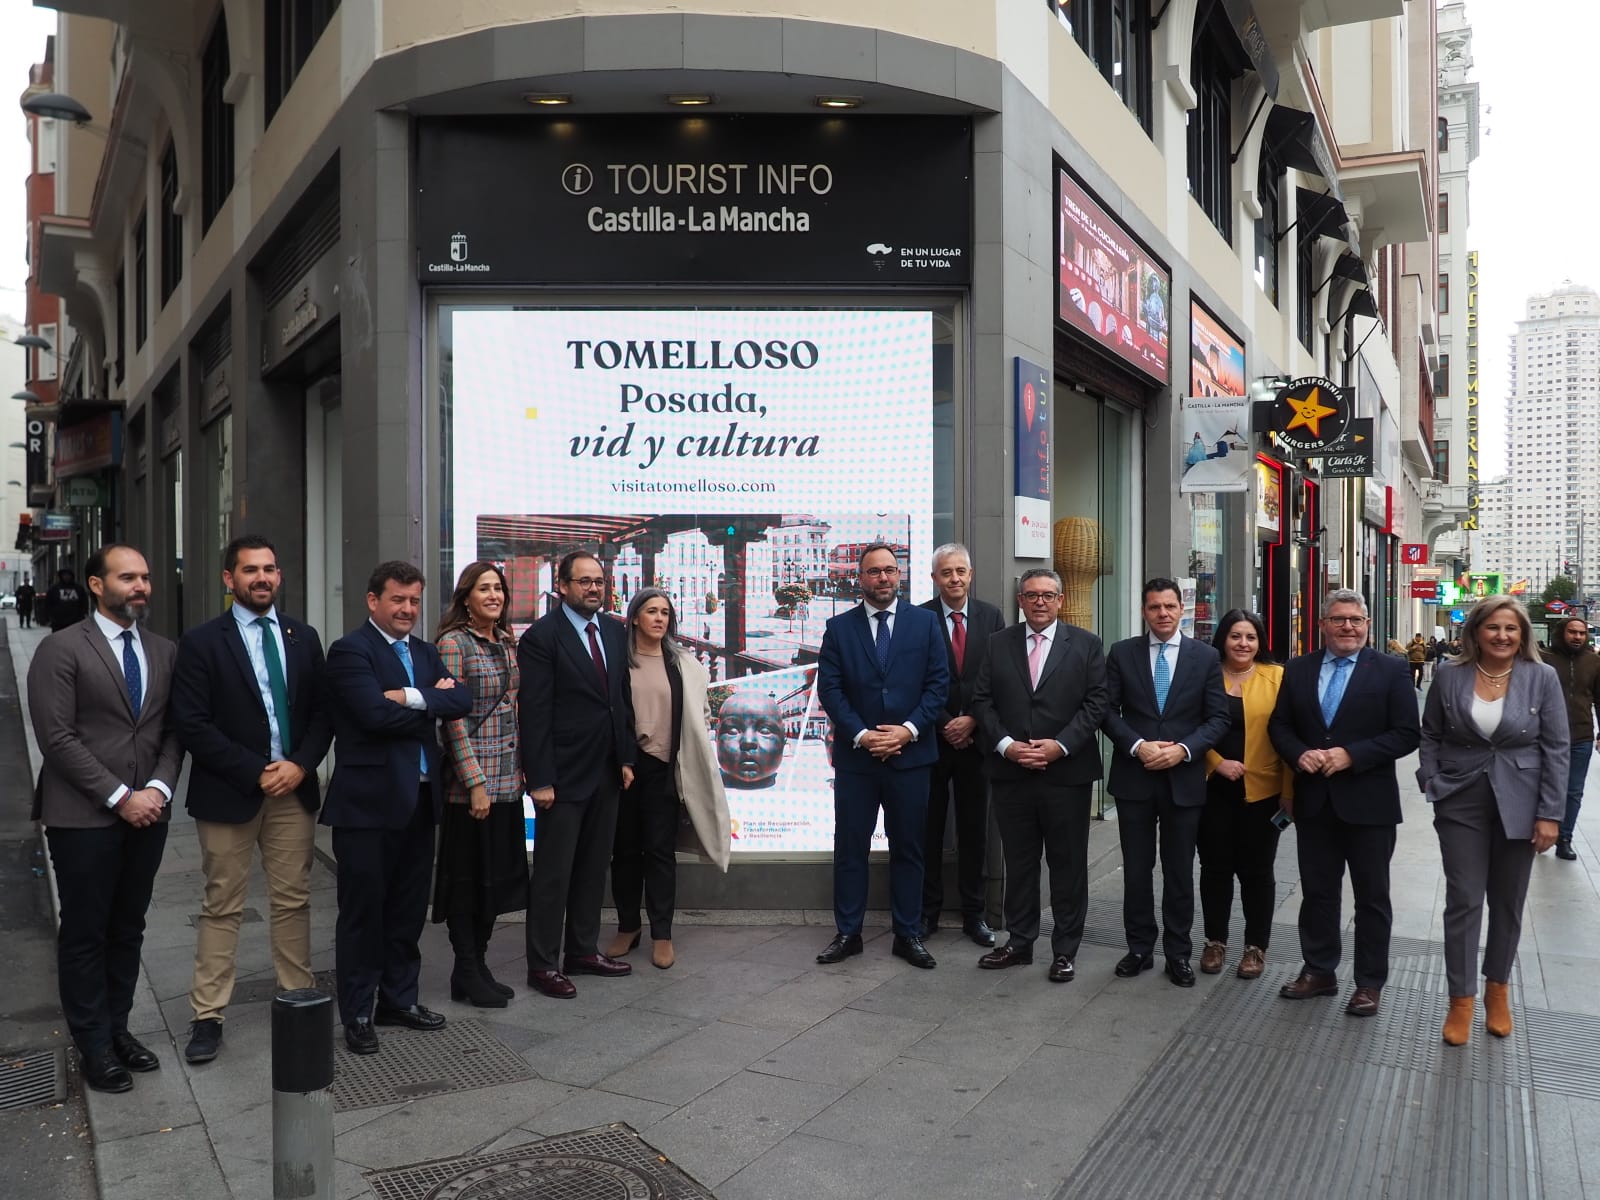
{"type": "Point", "coordinates": [483, 866]}
{"type": "Point", "coordinates": [675, 764]}
{"type": "Point", "coordinates": [1246, 785]}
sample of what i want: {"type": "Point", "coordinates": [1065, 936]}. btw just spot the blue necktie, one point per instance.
{"type": "Point", "coordinates": [883, 640]}
{"type": "Point", "coordinates": [1163, 677]}
{"type": "Point", "coordinates": [404, 651]}
{"type": "Point", "coordinates": [1335, 692]}
{"type": "Point", "coordinates": [130, 673]}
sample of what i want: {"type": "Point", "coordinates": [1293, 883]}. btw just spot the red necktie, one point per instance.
{"type": "Point", "coordinates": [599, 659]}
{"type": "Point", "coordinates": [958, 639]}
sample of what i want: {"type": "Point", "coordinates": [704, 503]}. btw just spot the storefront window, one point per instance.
{"type": "Point", "coordinates": [1095, 455]}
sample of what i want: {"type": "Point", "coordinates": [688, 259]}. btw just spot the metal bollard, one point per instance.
{"type": "Point", "coordinates": [302, 1105]}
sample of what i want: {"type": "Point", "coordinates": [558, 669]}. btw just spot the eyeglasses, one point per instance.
{"type": "Point", "coordinates": [1038, 597]}
{"type": "Point", "coordinates": [1354, 621]}
{"type": "Point", "coordinates": [880, 572]}
{"type": "Point", "coordinates": [586, 584]}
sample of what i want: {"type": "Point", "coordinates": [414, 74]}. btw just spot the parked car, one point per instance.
{"type": "Point", "coordinates": [8, 599]}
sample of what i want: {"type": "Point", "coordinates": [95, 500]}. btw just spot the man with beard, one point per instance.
{"type": "Point", "coordinates": [98, 694]}
{"type": "Point", "coordinates": [1579, 667]}
{"type": "Point", "coordinates": [247, 705]}
{"type": "Point", "coordinates": [575, 717]}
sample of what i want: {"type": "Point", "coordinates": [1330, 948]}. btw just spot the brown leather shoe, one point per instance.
{"type": "Point", "coordinates": [553, 984]}
{"type": "Point", "coordinates": [1212, 956]}
{"type": "Point", "coordinates": [595, 964]}
{"type": "Point", "coordinates": [1308, 984]}
{"type": "Point", "coordinates": [1009, 955]}
{"type": "Point", "coordinates": [1252, 962]}
{"type": "Point", "coordinates": [1363, 1002]}
{"type": "Point", "coordinates": [1062, 970]}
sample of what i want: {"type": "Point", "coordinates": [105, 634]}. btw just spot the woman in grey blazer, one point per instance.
{"type": "Point", "coordinates": [1494, 764]}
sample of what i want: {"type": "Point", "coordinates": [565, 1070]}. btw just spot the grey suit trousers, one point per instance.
{"type": "Point", "coordinates": [1480, 863]}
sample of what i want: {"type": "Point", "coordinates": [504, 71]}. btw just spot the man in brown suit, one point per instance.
{"type": "Point", "coordinates": [98, 694]}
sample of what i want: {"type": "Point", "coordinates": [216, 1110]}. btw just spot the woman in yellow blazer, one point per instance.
{"type": "Point", "coordinates": [1246, 786]}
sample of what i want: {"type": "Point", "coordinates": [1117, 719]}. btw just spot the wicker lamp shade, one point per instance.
{"type": "Point", "coordinates": [1079, 563]}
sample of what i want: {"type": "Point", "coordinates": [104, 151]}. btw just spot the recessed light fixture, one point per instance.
{"type": "Point", "coordinates": [548, 99]}
{"type": "Point", "coordinates": [692, 99]}
{"type": "Point", "coordinates": [838, 101]}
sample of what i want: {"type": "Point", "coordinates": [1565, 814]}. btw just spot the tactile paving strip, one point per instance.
{"type": "Point", "coordinates": [461, 1056]}
{"type": "Point", "coordinates": [607, 1163]}
{"type": "Point", "coordinates": [29, 1079]}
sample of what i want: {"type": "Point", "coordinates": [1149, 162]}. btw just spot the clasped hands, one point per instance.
{"type": "Point", "coordinates": [1161, 756]}
{"type": "Point", "coordinates": [885, 741]}
{"type": "Point", "coordinates": [143, 807]}
{"type": "Point", "coordinates": [958, 731]}
{"type": "Point", "coordinates": [1324, 762]}
{"type": "Point", "coordinates": [1035, 755]}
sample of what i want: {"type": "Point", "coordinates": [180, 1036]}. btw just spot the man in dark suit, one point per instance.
{"type": "Point", "coordinates": [1344, 715]}
{"type": "Point", "coordinates": [882, 676]}
{"type": "Point", "coordinates": [386, 691]}
{"type": "Point", "coordinates": [1040, 700]}
{"type": "Point", "coordinates": [98, 694]}
{"type": "Point", "coordinates": [1168, 707]}
{"type": "Point", "coordinates": [247, 703]}
{"type": "Point", "coordinates": [958, 776]}
{"type": "Point", "coordinates": [575, 718]}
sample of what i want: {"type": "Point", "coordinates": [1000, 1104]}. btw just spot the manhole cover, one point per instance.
{"type": "Point", "coordinates": [29, 1079]}
{"type": "Point", "coordinates": [461, 1056]}
{"type": "Point", "coordinates": [611, 1162]}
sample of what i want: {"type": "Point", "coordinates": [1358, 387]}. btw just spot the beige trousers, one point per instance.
{"type": "Point", "coordinates": [283, 831]}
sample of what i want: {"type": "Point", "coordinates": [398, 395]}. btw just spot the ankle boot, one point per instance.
{"type": "Point", "coordinates": [485, 928]}
{"type": "Point", "coordinates": [1496, 1008]}
{"type": "Point", "coordinates": [1458, 1022]}
{"type": "Point", "coordinates": [466, 982]}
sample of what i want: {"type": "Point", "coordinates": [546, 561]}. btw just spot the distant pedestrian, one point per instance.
{"type": "Point", "coordinates": [25, 602]}
{"type": "Point", "coordinates": [483, 863]}
{"type": "Point", "coordinates": [247, 702]}
{"type": "Point", "coordinates": [98, 695]}
{"type": "Point", "coordinates": [67, 600]}
{"type": "Point", "coordinates": [1495, 759]}
{"type": "Point", "coordinates": [1578, 666]}
{"type": "Point", "coordinates": [1417, 659]}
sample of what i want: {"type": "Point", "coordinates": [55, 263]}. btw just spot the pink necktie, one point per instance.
{"type": "Point", "coordinates": [1036, 657]}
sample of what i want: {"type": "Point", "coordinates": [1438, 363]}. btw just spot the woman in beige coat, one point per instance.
{"type": "Point", "coordinates": [676, 766]}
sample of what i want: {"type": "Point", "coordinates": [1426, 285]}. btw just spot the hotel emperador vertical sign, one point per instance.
{"type": "Point", "coordinates": [772, 200]}
{"type": "Point", "coordinates": [1473, 499]}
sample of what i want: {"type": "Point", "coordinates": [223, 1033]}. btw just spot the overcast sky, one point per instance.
{"type": "Point", "coordinates": [1532, 185]}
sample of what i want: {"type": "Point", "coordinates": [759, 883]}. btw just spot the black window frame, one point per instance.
{"type": "Point", "coordinates": [1098, 26]}
{"type": "Point", "coordinates": [171, 225]}
{"type": "Point", "coordinates": [216, 125]}
{"type": "Point", "coordinates": [141, 279]}
{"type": "Point", "coordinates": [1269, 194]}
{"type": "Point", "coordinates": [1441, 378]}
{"type": "Point", "coordinates": [292, 29]}
{"type": "Point", "coordinates": [1441, 458]}
{"type": "Point", "coordinates": [1212, 70]}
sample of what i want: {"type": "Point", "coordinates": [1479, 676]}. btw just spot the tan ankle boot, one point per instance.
{"type": "Point", "coordinates": [1496, 1008]}
{"type": "Point", "coordinates": [1458, 1023]}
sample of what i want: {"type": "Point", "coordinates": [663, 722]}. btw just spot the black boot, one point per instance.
{"type": "Point", "coordinates": [484, 929]}
{"type": "Point", "coordinates": [467, 983]}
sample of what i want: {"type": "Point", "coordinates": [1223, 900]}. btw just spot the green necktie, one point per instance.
{"type": "Point", "coordinates": [276, 680]}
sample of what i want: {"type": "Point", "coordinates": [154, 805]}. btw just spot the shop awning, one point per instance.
{"type": "Point", "coordinates": [1292, 137]}
{"type": "Point", "coordinates": [1322, 214]}
{"type": "Point", "coordinates": [1253, 42]}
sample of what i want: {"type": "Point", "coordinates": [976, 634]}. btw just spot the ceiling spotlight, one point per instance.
{"type": "Point", "coordinates": [548, 99]}
{"type": "Point", "coordinates": [838, 101]}
{"type": "Point", "coordinates": [692, 99]}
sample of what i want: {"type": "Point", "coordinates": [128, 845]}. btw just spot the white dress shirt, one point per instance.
{"type": "Point", "coordinates": [255, 650]}
{"type": "Point", "coordinates": [113, 632]}
{"type": "Point", "coordinates": [872, 623]}
{"type": "Point", "coordinates": [1049, 635]}
{"type": "Point", "coordinates": [413, 695]}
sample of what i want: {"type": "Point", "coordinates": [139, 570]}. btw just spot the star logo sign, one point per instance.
{"type": "Point", "coordinates": [1309, 412]}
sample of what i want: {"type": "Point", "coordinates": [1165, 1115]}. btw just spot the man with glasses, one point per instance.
{"type": "Point", "coordinates": [1041, 696]}
{"type": "Point", "coordinates": [575, 720]}
{"type": "Point", "coordinates": [1345, 714]}
{"type": "Point", "coordinates": [882, 676]}
{"type": "Point", "coordinates": [1167, 707]}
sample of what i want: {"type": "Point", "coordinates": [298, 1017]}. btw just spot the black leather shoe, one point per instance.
{"type": "Point", "coordinates": [979, 932]}
{"type": "Point", "coordinates": [1180, 972]}
{"type": "Point", "coordinates": [131, 1053]}
{"type": "Point", "coordinates": [1062, 970]}
{"type": "Point", "coordinates": [205, 1039]}
{"type": "Point", "coordinates": [930, 926]}
{"type": "Point", "coordinates": [415, 1017]}
{"type": "Point", "coordinates": [361, 1037]}
{"type": "Point", "coordinates": [1564, 850]}
{"type": "Point", "coordinates": [104, 1073]}
{"type": "Point", "coordinates": [914, 952]}
{"type": "Point", "coordinates": [1131, 964]}
{"type": "Point", "coordinates": [840, 948]}
{"type": "Point", "coordinates": [1012, 954]}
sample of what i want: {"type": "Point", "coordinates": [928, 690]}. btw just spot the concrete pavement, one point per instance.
{"type": "Point", "coordinates": [762, 1075]}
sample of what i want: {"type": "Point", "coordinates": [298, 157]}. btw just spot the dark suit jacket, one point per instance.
{"type": "Point", "coordinates": [222, 722]}
{"type": "Point", "coordinates": [88, 737]}
{"type": "Point", "coordinates": [1068, 705]}
{"type": "Point", "coordinates": [857, 694]}
{"type": "Point", "coordinates": [1527, 758]}
{"type": "Point", "coordinates": [1376, 724]}
{"type": "Point", "coordinates": [1196, 715]}
{"type": "Point", "coordinates": [573, 732]}
{"type": "Point", "coordinates": [374, 784]}
{"type": "Point", "coordinates": [983, 622]}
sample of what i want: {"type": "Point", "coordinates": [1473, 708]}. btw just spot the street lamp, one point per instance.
{"type": "Point", "coordinates": [27, 396]}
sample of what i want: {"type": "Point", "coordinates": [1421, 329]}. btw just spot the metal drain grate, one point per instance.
{"type": "Point", "coordinates": [30, 1079]}
{"type": "Point", "coordinates": [1564, 1050]}
{"type": "Point", "coordinates": [608, 1163]}
{"type": "Point", "coordinates": [461, 1056]}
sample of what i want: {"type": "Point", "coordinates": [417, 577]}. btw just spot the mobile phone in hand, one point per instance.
{"type": "Point", "coordinates": [1282, 820]}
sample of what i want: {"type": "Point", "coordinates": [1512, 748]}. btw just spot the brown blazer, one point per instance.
{"type": "Point", "coordinates": [87, 735]}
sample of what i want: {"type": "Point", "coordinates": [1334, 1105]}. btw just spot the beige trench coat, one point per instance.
{"type": "Point", "coordinates": [710, 834]}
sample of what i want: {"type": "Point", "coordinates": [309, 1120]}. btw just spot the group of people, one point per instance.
{"type": "Point", "coordinates": [935, 709]}
{"type": "Point", "coordinates": [602, 722]}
